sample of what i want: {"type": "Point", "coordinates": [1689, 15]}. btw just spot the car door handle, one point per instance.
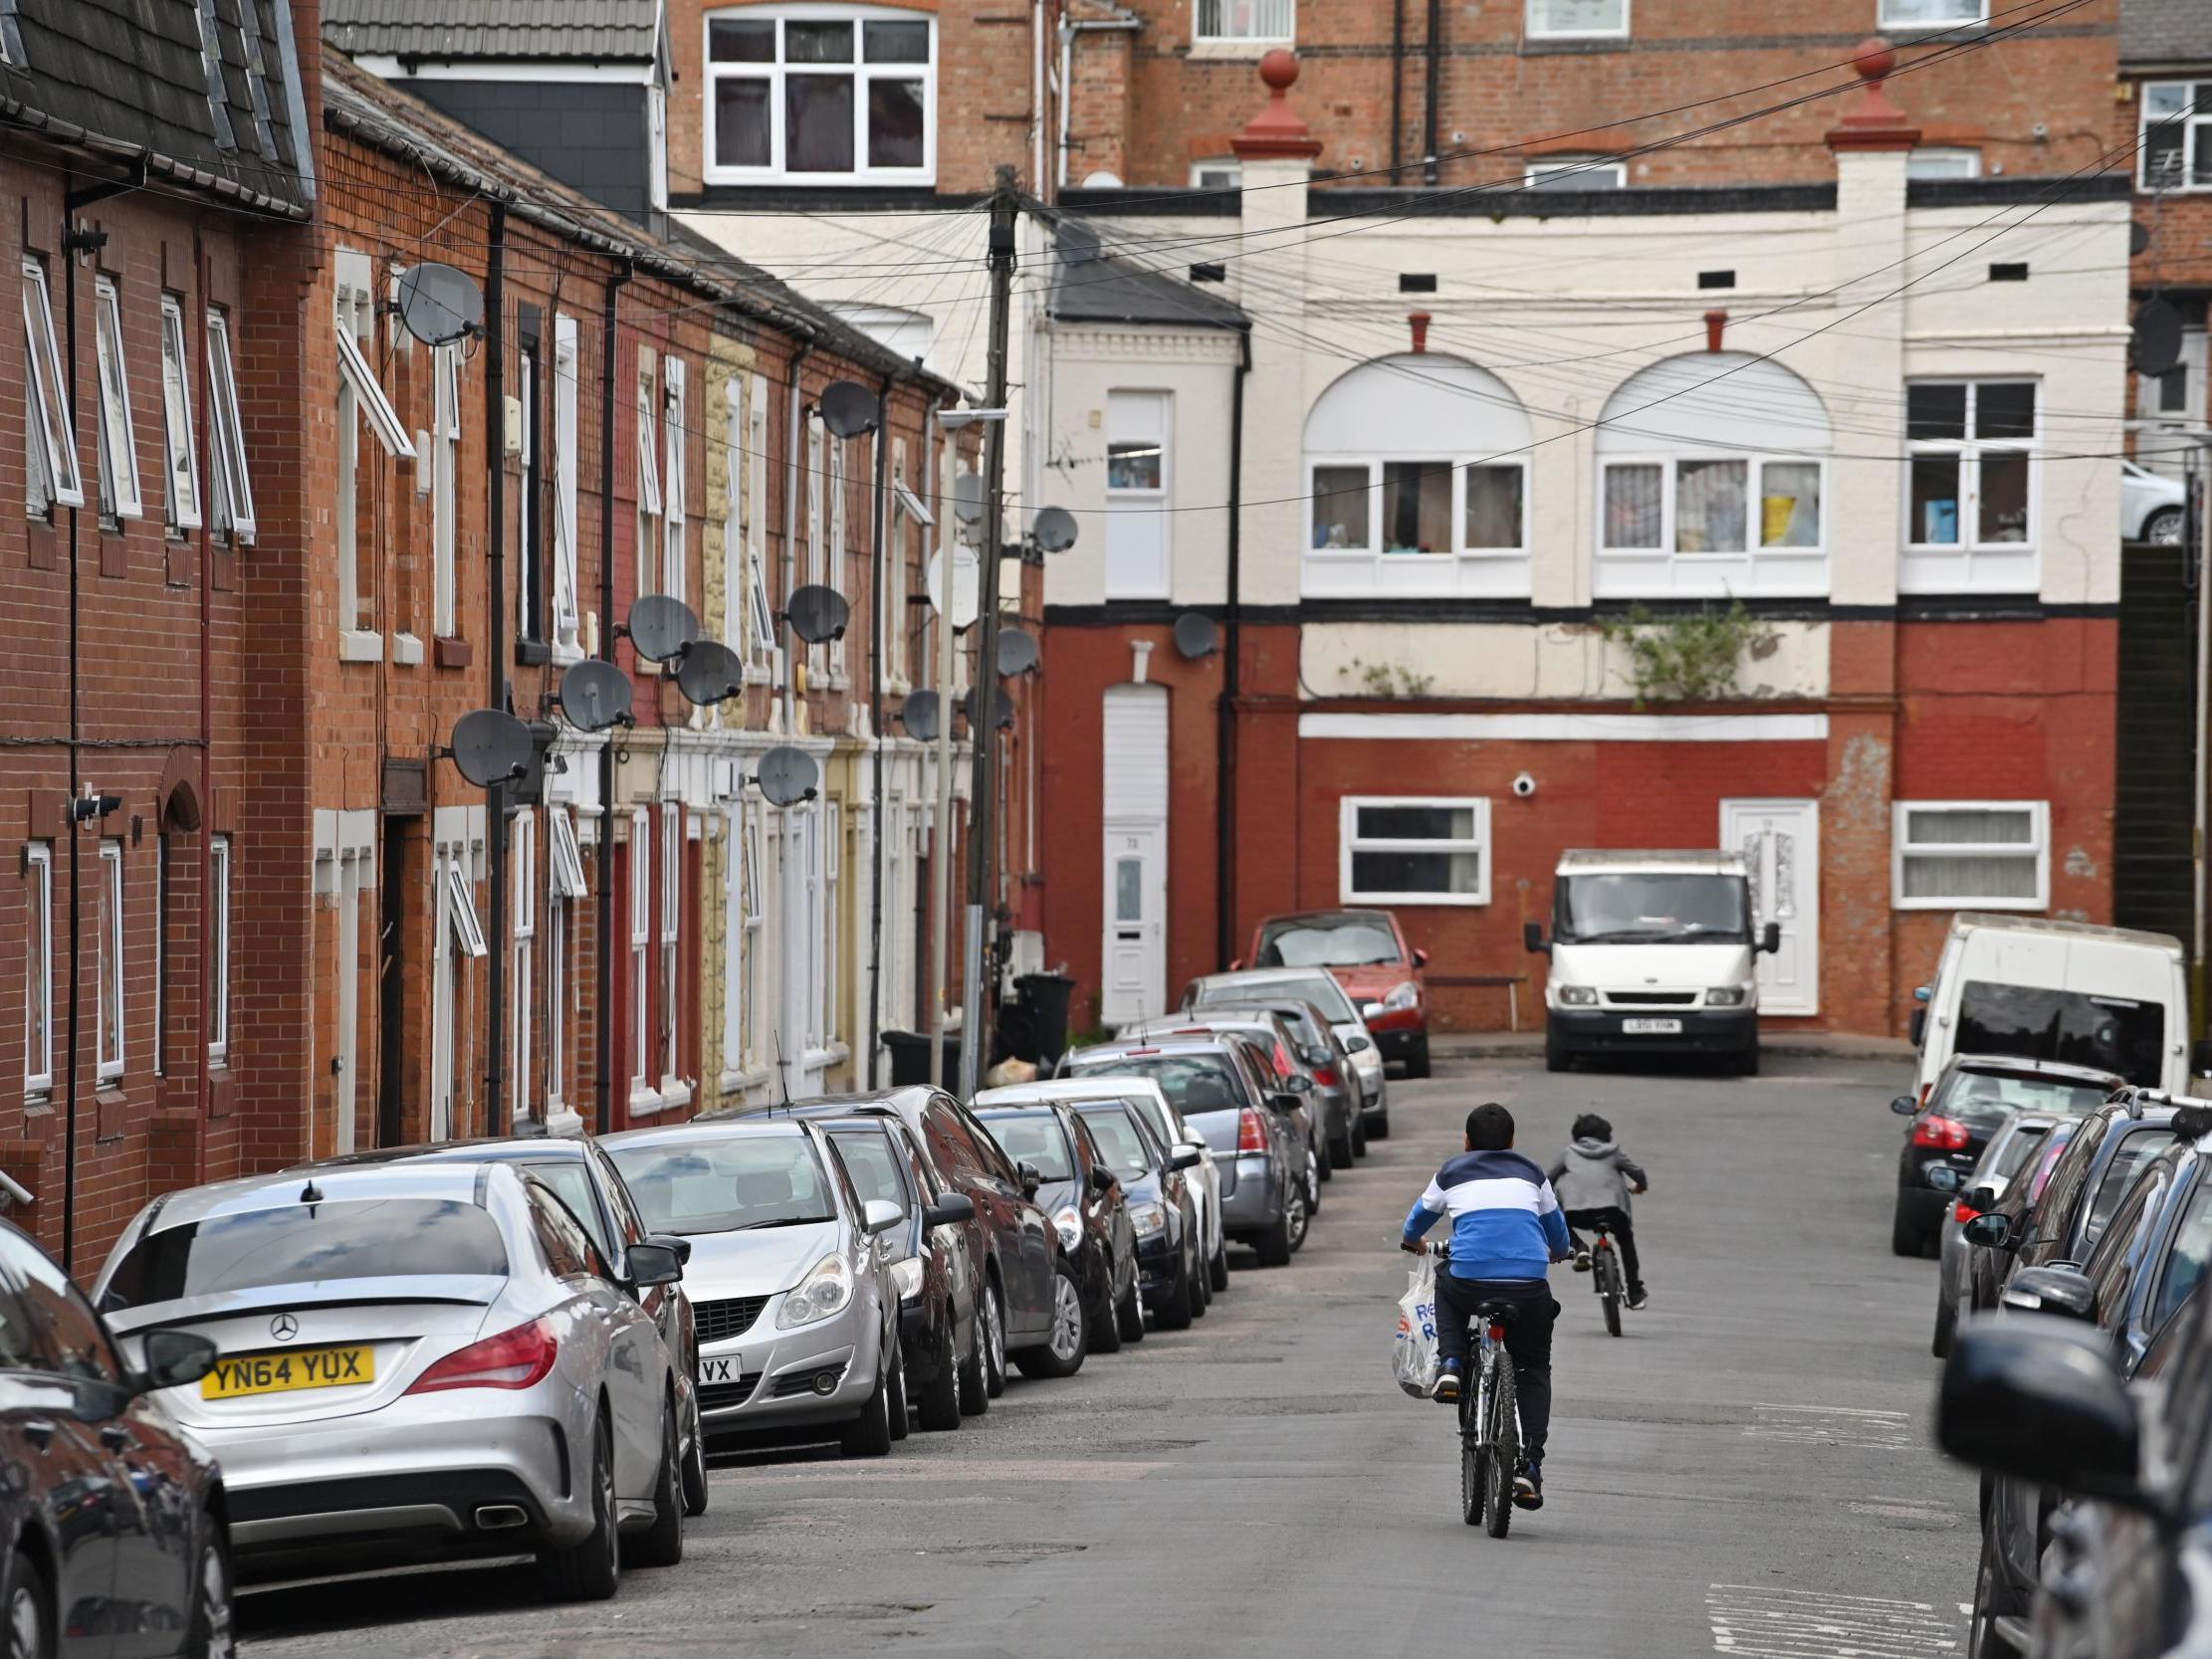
{"type": "Point", "coordinates": [39, 1432]}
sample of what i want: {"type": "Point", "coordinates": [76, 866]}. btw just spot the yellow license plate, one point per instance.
{"type": "Point", "coordinates": [272, 1373]}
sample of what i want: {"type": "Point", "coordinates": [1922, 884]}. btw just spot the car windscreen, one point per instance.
{"type": "Point", "coordinates": [298, 1244]}
{"type": "Point", "coordinates": [1033, 1138]}
{"type": "Point", "coordinates": [2110, 1033]}
{"type": "Point", "coordinates": [1328, 942]}
{"type": "Point", "coordinates": [1321, 990]}
{"type": "Point", "coordinates": [1119, 1143]}
{"type": "Point", "coordinates": [729, 1185]}
{"type": "Point", "coordinates": [1203, 1088]}
{"type": "Point", "coordinates": [2120, 1175]}
{"type": "Point", "coordinates": [1983, 1100]}
{"type": "Point", "coordinates": [873, 1165]}
{"type": "Point", "coordinates": [1155, 1115]}
{"type": "Point", "coordinates": [1651, 907]}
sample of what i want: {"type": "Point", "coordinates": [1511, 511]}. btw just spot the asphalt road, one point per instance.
{"type": "Point", "coordinates": [1746, 1472]}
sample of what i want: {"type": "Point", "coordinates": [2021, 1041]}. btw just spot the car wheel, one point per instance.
{"type": "Point", "coordinates": [1982, 1638]}
{"type": "Point", "coordinates": [1905, 1237]}
{"type": "Point", "coordinates": [1377, 1124]}
{"type": "Point", "coordinates": [1748, 1062]}
{"type": "Point", "coordinates": [1175, 1311]}
{"type": "Point", "coordinates": [591, 1570]}
{"type": "Point", "coordinates": [1105, 1328]}
{"type": "Point", "coordinates": [1216, 1271]}
{"type": "Point", "coordinates": [1417, 1058]}
{"type": "Point", "coordinates": [695, 1461]}
{"type": "Point", "coordinates": [937, 1408]}
{"type": "Point", "coordinates": [30, 1622]}
{"type": "Point", "coordinates": [869, 1435]}
{"type": "Point", "coordinates": [1358, 1133]}
{"type": "Point", "coordinates": [973, 1373]}
{"type": "Point", "coordinates": [902, 1423]}
{"type": "Point", "coordinates": [1342, 1149]}
{"type": "Point", "coordinates": [1200, 1300]}
{"type": "Point", "coordinates": [2164, 527]}
{"type": "Point", "coordinates": [1322, 1167]}
{"type": "Point", "coordinates": [1129, 1314]}
{"type": "Point", "coordinates": [994, 1340]}
{"type": "Point", "coordinates": [1556, 1057]}
{"type": "Point", "coordinates": [214, 1628]}
{"type": "Point", "coordinates": [662, 1543]}
{"type": "Point", "coordinates": [1946, 1322]}
{"type": "Point", "coordinates": [1069, 1339]}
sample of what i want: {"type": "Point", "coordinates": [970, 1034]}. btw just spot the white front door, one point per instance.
{"type": "Point", "coordinates": [1134, 973]}
{"type": "Point", "coordinates": [1781, 841]}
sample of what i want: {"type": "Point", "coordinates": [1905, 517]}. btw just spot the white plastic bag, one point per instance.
{"type": "Point", "coordinates": [1413, 1358]}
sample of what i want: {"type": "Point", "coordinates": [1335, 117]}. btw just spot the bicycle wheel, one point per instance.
{"type": "Point", "coordinates": [1504, 1437]}
{"type": "Point", "coordinates": [1474, 1474]}
{"type": "Point", "coordinates": [1608, 1289]}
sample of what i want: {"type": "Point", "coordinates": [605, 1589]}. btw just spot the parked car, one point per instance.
{"type": "Point", "coordinates": [1321, 1056]}
{"type": "Point", "coordinates": [1088, 1209]}
{"type": "Point", "coordinates": [112, 1513]}
{"type": "Point", "coordinates": [418, 1360]}
{"type": "Point", "coordinates": [585, 1179]}
{"type": "Point", "coordinates": [1945, 1138]}
{"type": "Point", "coordinates": [1322, 990]}
{"type": "Point", "coordinates": [2151, 508]}
{"type": "Point", "coordinates": [1013, 1249]}
{"type": "Point", "coordinates": [1204, 1176]}
{"type": "Point", "coordinates": [1274, 1039]}
{"type": "Point", "coordinates": [777, 1229]}
{"type": "Point", "coordinates": [1225, 1092]}
{"type": "Point", "coordinates": [1154, 1180]}
{"type": "Point", "coordinates": [2013, 1145]}
{"type": "Point", "coordinates": [1365, 951]}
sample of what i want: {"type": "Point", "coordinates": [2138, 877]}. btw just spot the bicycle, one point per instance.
{"type": "Point", "coordinates": [1489, 1422]}
{"type": "Point", "coordinates": [1606, 1276]}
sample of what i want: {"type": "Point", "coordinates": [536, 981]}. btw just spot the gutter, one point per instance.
{"type": "Point", "coordinates": [16, 113]}
{"type": "Point", "coordinates": [1225, 752]}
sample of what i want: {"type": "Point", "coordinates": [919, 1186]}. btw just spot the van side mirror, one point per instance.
{"type": "Point", "coordinates": [1920, 1026]}
{"type": "Point", "coordinates": [950, 1210]}
{"type": "Point", "coordinates": [1532, 938]}
{"type": "Point", "coordinates": [1370, 1010]}
{"type": "Point", "coordinates": [1770, 939]}
{"type": "Point", "coordinates": [1102, 1179]}
{"type": "Point", "coordinates": [682, 1246]}
{"type": "Point", "coordinates": [880, 1216]}
{"type": "Point", "coordinates": [1185, 1157]}
{"type": "Point", "coordinates": [1031, 1179]}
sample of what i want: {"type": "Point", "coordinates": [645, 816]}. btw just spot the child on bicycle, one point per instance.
{"type": "Point", "coordinates": [1593, 1179]}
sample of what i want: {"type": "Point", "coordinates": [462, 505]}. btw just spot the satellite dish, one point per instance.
{"type": "Point", "coordinates": [788, 776]}
{"type": "Point", "coordinates": [1196, 635]}
{"type": "Point", "coordinates": [491, 746]}
{"type": "Point", "coordinates": [709, 671]}
{"type": "Point", "coordinates": [849, 409]}
{"type": "Point", "coordinates": [1018, 652]}
{"type": "Point", "coordinates": [1054, 530]}
{"type": "Point", "coordinates": [1002, 706]}
{"type": "Point", "coordinates": [595, 696]}
{"type": "Point", "coordinates": [817, 613]}
{"type": "Point", "coordinates": [968, 501]}
{"type": "Point", "coordinates": [967, 584]}
{"type": "Point", "coordinates": [2155, 344]}
{"type": "Point", "coordinates": [440, 305]}
{"type": "Point", "coordinates": [660, 627]}
{"type": "Point", "coordinates": [2138, 236]}
{"type": "Point", "coordinates": [919, 716]}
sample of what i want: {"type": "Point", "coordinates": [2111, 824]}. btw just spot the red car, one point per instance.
{"type": "Point", "coordinates": [1368, 953]}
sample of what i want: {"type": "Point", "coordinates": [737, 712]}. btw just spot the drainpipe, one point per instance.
{"type": "Point", "coordinates": [1069, 32]}
{"type": "Point", "coordinates": [795, 456]}
{"type": "Point", "coordinates": [202, 1097]}
{"type": "Point", "coordinates": [1224, 750]}
{"type": "Point", "coordinates": [1037, 180]}
{"type": "Point", "coordinates": [603, 1028]}
{"type": "Point", "coordinates": [879, 633]}
{"type": "Point", "coordinates": [1397, 94]}
{"type": "Point", "coordinates": [1430, 172]}
{"type": "Point", "coordinates": [76, 782]}
{"type": "Point", "coordinates": [495, 796]}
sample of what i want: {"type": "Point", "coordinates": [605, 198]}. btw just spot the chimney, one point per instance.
{"type": "Point", "coordinates": [1419, 321]}
{"type": "Point", "coordinates": [1715, 321]}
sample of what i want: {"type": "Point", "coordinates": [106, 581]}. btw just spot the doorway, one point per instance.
{"type": "Point", "coordinates": [1780, 841]}
{"type": "Point", "coordinates": [393, 885]}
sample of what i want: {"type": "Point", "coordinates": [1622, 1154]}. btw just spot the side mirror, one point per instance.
{"type": "Point", "coordinates": [950, 1210]}
{"type": "Point", "coordinates": [1981, 1200]}
{"type": "Point", "coordinates": [1286, 1101]}
{"type": "Point", "coordinates": [1102, 1179]}
{"type": "Point", "coordinates": [646, 1264]}
{"type": "Point", "coordinates": [1300, 1084]}
{"type": "Point", "coordinates": [1532, 938]}
{"type": "Point", "coordinates": [2042, 1402]}
{"type": "Point", "coordinates": [1318, 1056]}
{"type": "Point", "coordinates": [1918, 1028]}
{"type": "Point", "coordinates": [1357, 1045]}
{"type": "Point", "coordinates": [175, 1358]}
{"type": "Point", "coordinates": [1370, 1010]}
{"type": "Point", "coordinates": [2064, 1291]}
{"type": "Point", "coordinates": [1185, 1157]}
{"type": "Point", "coordinates": [1421, 958]}
{"type": "Point", "coordinates": [880, 1216]}
{"type": "Point", "coordinates": [682, 1246]}
{"type": "Point", "coordinates": [1770, 939]}
{"type": "Point", "coordinates": [2200, 1058]}
{"type": "Point", "coordinates": [1903, 1106]}
{"type": "Point", "coordinates": [1031, 1179]}
{"type": "Point", "coordinates": [1920, 993]}
{"type": "Point", "coordinates": [1991, 1232]}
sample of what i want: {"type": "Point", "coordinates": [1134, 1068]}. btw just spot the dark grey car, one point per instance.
{"type": "Point", "coordinates": [1322, 1053]}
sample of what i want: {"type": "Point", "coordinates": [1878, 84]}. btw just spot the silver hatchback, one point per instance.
{"type": "Point", "coordinates": [796, 1304]}
{"type": "Point", "coordinates": [418, 1360]}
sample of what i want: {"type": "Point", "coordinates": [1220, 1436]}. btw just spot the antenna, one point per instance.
{"type": "Point", "coordinates": [919, 716]}
{"type": "Point", "coordinates": [440, 305]}
{"type": "Point", "coordinates": [660, 627]}
{"type": "Point", "coordinates": [491, 746]}
{"type": "Point", "coordinates": [1054, 530]}
{"type": "Point", "coordinates": [782, 1070]}
{"type": "Point", "coordinates": [1018, 652]}
{"type": "Point", "coordinates": [818, 614]}
{"type": "Point", "coordinates": [707, 671]}
{"type": "Point", "coordinates": [595, 695]}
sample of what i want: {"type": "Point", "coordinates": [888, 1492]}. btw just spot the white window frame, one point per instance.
{"type": "Point", "coordinates": [217, 911]}
{"type": "Point", "coordinates": [1888, 19]}
{"type": "Point", "coordinates": [51, 423]}
{"type": "Point", "coordinates": [566, 616]}
{"type": "Point", "coordinates": [1269, 21]}
{"type": "Point", "coordinates": [180, 442]}
{"type": "Point", "coordinates": [1579, 172]}
{"type": "Point", "coordinates": [910, 517]}
{"type": "Point", "coordinates": [1227, 173]}
{"type": "Point", "coordinates": [445, 377]}
{"type": "Point", "coordinates": [111, 1009]}
{"type": "Point", "coordinates": [2196, 91]}
{"type": "Point", "coordinates": [38, 999]}
{"type": "Point", "coordinates": [774, 74]}
{"type": "Point", "coordinates": [1375, 548]}
{"type": "Point", "coordinates": [818, 550]}
{"type": "Point", "coordinates": [733, 942]}
{"type": "Point", "coordinates": [1965, 564]}
{"type": "Point", "coordinates": [1349, 841]}
{"type": "Point", "coordinates": [226, 430]}
{"type": "Point", "coordinates": [360, 394]}
{"type": "Point", "coordinates": [121, 495]}
{"type": "Point", "coordinates": [530, 545]}
{"type": "Point", "coordinates": [841, 530]}
{"type": "Point", "coordinates": [1538, 29]}
{"type": "Point", "coordinates": [1137, 414]}
{"type": "Point", "coordinates": [2038, 847]}
{"type": "Point", "coordinates": [673, 504]}
{"type": "Point", "coordinates": [832, 867]}
{"type": "Point", "coordinates": [648, 485]}
{"type": "Point", "coordinates": [761, 617]}
{"type": "Point", "coordinates": [643, 1095]}
{"type": "Point", "coordinates": [1943, 161]}
{"type": "Point", "coordinates": [755, 930]}
{"type": "Point", "coordinates": [671, 957]}
{"type": "Point", "coordinates": [522, 865]}
{"type": "Point", "coordinates": [566, 884]}
{"type": "Point", "coordinates": [468, 931]}
{"type": "Point", "coordinates": [458, 936]}
{"type": "Point", "coordinates": [1755, 547]}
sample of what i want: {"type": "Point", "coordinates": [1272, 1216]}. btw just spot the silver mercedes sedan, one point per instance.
{"type": "Point", "coordinates": [418, 1360]}
{"type": "Point", "coordinates": [796, 1309]}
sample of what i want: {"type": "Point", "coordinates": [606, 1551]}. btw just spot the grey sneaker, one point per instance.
{"type": "Point", "coordinates": [1582, 1261]}
{"type": "Point", "coordinates": [1445, 1391]}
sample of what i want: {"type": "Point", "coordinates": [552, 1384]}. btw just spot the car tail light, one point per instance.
{"type": "Point", "coordinates": [1252, 1133]}
{"type": "Point", "coordinates": [1962, 1212]}
{"type": "Point", "coordinates": [1283, 1067]}
{"type": "Point", "coordinates": [513, 1359]}
{"type": "Point", "coordinates": [1946, 1135]}
{"type": "Point", "coordinates": [1325, 1076]}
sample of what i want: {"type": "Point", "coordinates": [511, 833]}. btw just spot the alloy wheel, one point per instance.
{"type": "Point", "coordinates": [215, 1602]}
{"type": "Point", "coordinates": [1294, 1211]}
{"type": "Point", "coordinates": [1067, 1319]}
{"type": "Point", "coordinates": [26, 1621]}
{"type": "Point", "coordinates": [994, 1340]}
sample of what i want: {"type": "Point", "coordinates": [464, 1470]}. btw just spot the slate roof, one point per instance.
{"type": "Point", "coordinates": [129, 80]}
{"type": "Point", "coordinates": [596, 31]}
{"type": "Point", "coordinates": [2153, 32]}
{"type": "Point", "coordinates": [1089, 286]}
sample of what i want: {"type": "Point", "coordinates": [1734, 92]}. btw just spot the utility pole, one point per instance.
{"type": "Point", "coordinates": [2197, 522]}
{"type": "Point", "coordinates": [982, 685]}
{"type": "Point", "coordinates": [940, 823]}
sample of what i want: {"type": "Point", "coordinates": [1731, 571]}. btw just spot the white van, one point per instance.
{"type": "Point", "coordinates": [1651, 954]}
{"type": "Point", "coordinates": [2037, 988]}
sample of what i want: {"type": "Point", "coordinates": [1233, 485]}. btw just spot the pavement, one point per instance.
{"type": "Point", "coordinates": [1748, 1471]}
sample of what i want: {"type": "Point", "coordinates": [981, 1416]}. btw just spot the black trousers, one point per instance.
{"type": "Point", "coordinates": [1623, 1238]}
{"type": "Point", "coordinates": [1527, 1341]}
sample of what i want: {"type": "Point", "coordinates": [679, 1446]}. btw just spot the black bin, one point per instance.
{"type": "Point", "coordinates": [1046, 997]}
{"type": "Point", "coordinates": [910, 1058]}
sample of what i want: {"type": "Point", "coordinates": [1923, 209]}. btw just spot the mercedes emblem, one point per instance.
{"type": "Point", "coordinates": [283, 1328]}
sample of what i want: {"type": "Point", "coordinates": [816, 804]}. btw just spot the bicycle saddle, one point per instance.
{"type": "Point", "coordinates": [1503, 1311]}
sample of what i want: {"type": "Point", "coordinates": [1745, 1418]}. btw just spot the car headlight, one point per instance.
{"type": "Point", "coordinates": [1148, 1219]}
{"type": "Point", "coordinates": [1406, 995]}
{"type": "Point", "coordinates": [1071, 1226]}
{"type": "Point", "coordinates": [1578, 996]}
{"type": "Point", "coordinates": [1724, 996]}
{"type": "Point", "coordinates": [907, 1275]}
{"type": "Point", "coordinates": [825, 1291]}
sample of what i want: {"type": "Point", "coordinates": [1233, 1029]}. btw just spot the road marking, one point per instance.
{"type": "Point", "coordinates": [1754, 1621]}
{"type": "Point", "coordinates": [1830, 1425]}
{"type": "Point", "coordinates": [952, 1469]}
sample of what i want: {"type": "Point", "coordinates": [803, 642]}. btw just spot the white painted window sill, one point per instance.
{"type": "Point", "coordinates": [755, 675]}
{"type": "Point", "coordinates": [644, 1101]}
{"type": "Point", "coordinates": [359, 645]}
{"type": "Point", "coordinates": [735, 1082]}
{"type": "Point", "coordinates": [675, 1091]}
{"type": "Point", "coordinates": [1235, 48]}
{"type": "Point", "coordinates": [566, 653]}
{"type": "Point", "coordinates": [406, 649]}
{"type": "Point", "coordinates": [563, 1122]}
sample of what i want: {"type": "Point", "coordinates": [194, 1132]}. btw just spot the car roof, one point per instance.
{"type": "Point", "coordinates": [1342, 912]}
{"type": "Point", "coordinates": [489, 1149]}
{"type": "Point", "coordinates": [448, 1181]}
{"type": "Point", "coordinates": [1148, 1046]}
{"type": "Point", "coordinates": [1265, 975]}
{"type": "Point", "coordinates": [2005, 1065]}
{"type": "Point", "coordinates": [1701, 860]}
{"type": "Point", "coordinates": [1097, 1086]}
{"type": "Point", "coordinates": [1976, 920]}
{"type": "Point", "coordinates": [714, 1127]}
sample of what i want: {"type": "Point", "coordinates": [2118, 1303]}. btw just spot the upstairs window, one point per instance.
{"type": "Point", "coordinates": [1578, 19]}
{"type": "Point", "coordinates": [1245, 19]}
{"type": "Point", "coordinates": [119, 497]}
{"type": "Point", "coordinates": [821, 95]}
{"type": "Point", "coordinates": [1575, 172]}
{"type": "Point", "coordinates": [1934, 162]}
{"type": "Point", "coordinates": [2176, 148]}
{"type": "Point", "coordinates": [38, 967]}
{"type": "Point", "coordinates": [1931, 14]}
{"type": "Point", "coordinates": [232, 490]}
{"type": "Point", "coordinates": [674, 487]}
{"type": "Point", "coordinates": [1970, 502]}
{"type": "Point", "coordinates": [180, 446]}
{"type": "Point", "coordinates": [50, 435]}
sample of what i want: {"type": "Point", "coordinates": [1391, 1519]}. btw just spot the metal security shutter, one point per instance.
{"type": "Point", "coordinates": [1137, 754]}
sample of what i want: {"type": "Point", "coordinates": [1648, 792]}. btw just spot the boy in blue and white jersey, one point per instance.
{"type": "Point", "coordinates": [1506, 1232]}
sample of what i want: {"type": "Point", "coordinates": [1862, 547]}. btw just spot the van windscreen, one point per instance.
{"type": "Point", "coordinates": [1651, 907]}
{"type": "Point", "coordinates": [2110, 1033]}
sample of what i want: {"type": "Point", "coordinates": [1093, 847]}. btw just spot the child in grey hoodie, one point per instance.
{"type": "Point", "coordinates": [1593, 1179]}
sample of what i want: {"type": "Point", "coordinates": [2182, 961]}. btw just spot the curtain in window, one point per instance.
{"type": "Point", "coordinates": [1709, 507]}
{"type": "Point", "coordinates": [1632, 506]}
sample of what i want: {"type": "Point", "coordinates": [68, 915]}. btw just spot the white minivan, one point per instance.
{"type": "Point", "coordinates": [1651, 952]}
{"type": "Point", "coordinates": [2037, 988]}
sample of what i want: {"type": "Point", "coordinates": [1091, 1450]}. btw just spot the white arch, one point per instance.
{"type": "Point", "coordinates": [1714, 400]}
{"type": "Point", "coordinates": [1417, 404]}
